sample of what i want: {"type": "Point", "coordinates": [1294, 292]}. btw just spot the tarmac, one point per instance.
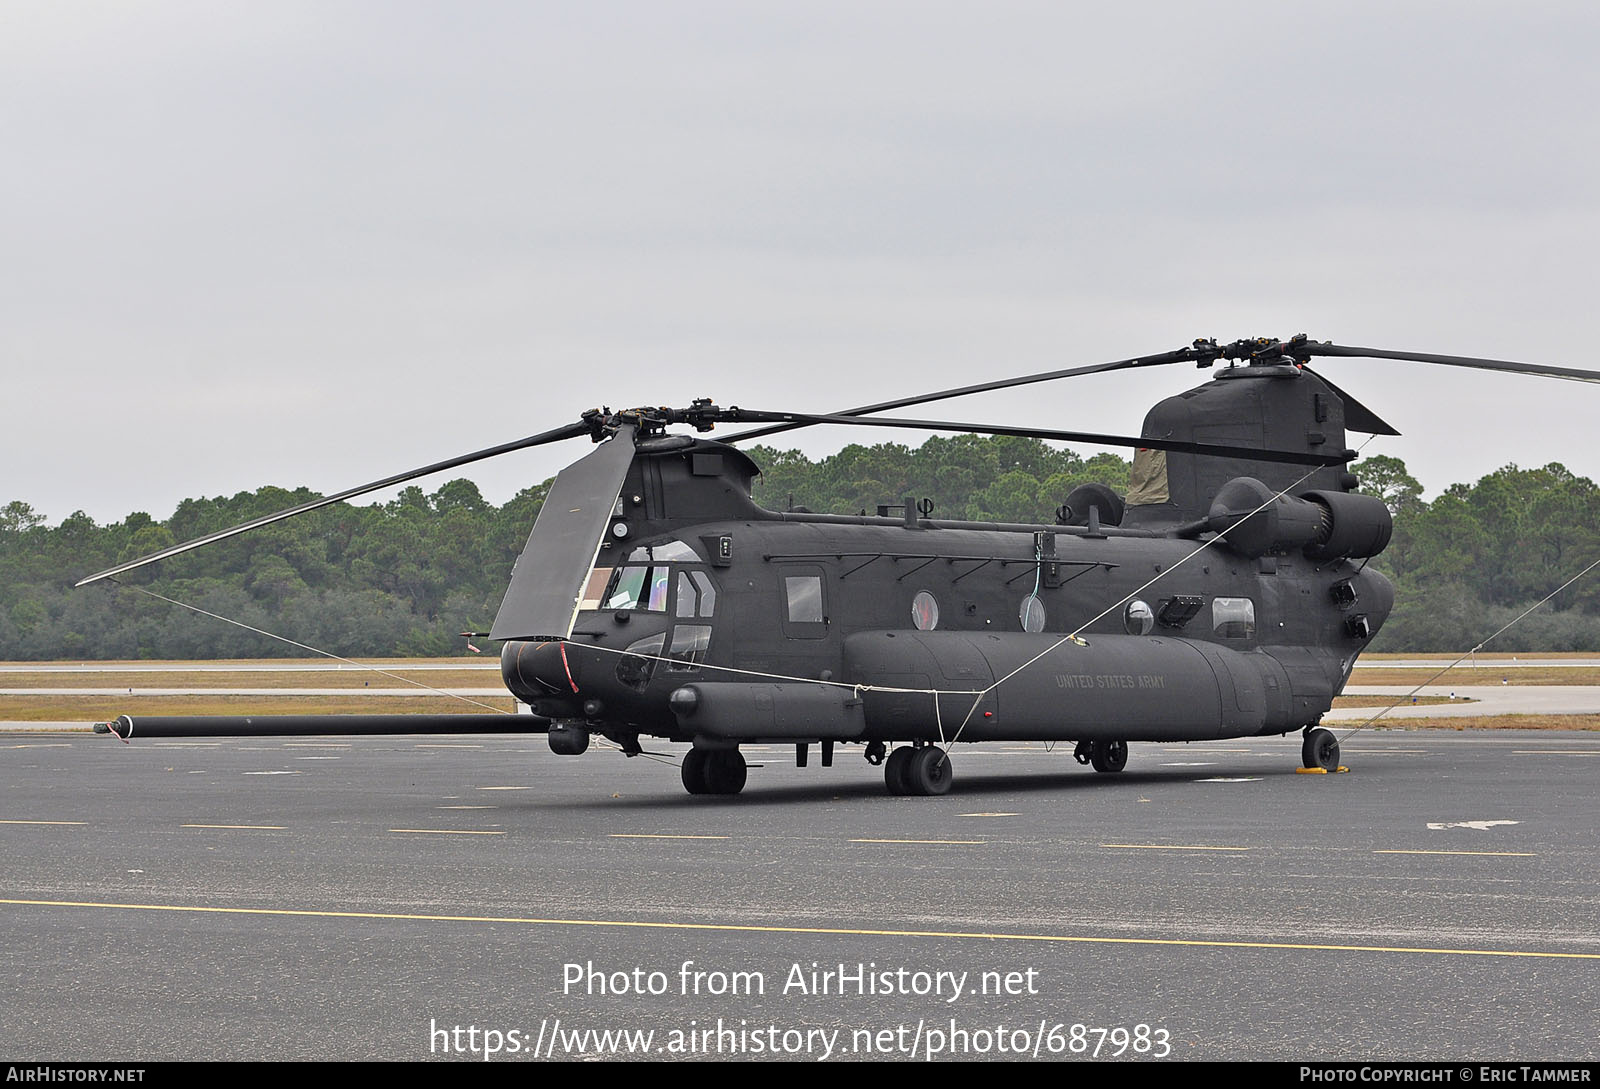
{"type": "Point", "coordinates": [415, 898]}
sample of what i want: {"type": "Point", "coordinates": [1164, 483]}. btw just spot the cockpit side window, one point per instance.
{"type": "Point", "coordinates": [697, 595]}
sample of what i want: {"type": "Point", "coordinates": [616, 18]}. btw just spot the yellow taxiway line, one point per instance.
{"type": "Point", "coordinates": [749, 928]}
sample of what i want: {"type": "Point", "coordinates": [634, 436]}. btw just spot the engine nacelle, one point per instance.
{"type": "Point", "coordinates": [1326, 525]}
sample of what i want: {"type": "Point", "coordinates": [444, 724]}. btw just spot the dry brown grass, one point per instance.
{"type": "Point", "coordinates": [1483, 656]}
{"type": "Point", "coordinates": [1384, 701]}
{"type": "Point", "coordinates": [1489, 722]}
{"type": "Point", "coordinates": [1484, 675]}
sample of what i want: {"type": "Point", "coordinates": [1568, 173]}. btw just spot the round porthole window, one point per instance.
{"type": "Point", "coordinates": [1031, 613]}
{"type": "Point", "coordinates": [1138, 618]}
{"type": "Point", "coordinates": [925, 611]}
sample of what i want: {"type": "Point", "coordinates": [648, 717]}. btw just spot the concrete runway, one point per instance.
{"type": "Point", "coordinates": [1476, 701]}
{"type": "Point", "coordinates": [362, 899]}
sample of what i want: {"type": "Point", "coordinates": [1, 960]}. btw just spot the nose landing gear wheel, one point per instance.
{"type": "Point", "coordinates": [1320, 750]}
{"type": "Point", "coordinates": [1108, 755]}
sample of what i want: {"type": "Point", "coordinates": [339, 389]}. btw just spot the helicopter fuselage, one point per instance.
{"type": "Point", "coordinates": [761, 626]}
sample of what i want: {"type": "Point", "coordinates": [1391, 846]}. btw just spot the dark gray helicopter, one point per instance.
{"type": "Point", "coordinates": [1228, 595]}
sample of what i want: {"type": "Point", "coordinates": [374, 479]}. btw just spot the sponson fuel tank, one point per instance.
{"type": "Point", "coordinates": [1133, 688]}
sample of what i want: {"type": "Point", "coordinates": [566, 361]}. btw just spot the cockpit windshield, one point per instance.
{"type": "Point", "coordinates": [644, 580]}
{"type": "Point", "coordinates": [629, 587]}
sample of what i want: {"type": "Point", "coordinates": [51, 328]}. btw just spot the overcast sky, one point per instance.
{"type": "Point", "coordinates": [316, 244]}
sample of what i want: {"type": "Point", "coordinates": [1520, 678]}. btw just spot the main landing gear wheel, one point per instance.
{"type": "Point", "coordinates": [725, 772]}
{"type": "Point", "coordinates": [1320, 750]}
{"type": "Point", "coordinates": [895, 768]}
{"type": "Point", "coordinates": [1108, 755]}
{"type": "Point", "coordinates": [694, 771]}
{"type": "Point", "coordinates": [928, 771]}
{"type": "Point", "coordinates": [714, 771]}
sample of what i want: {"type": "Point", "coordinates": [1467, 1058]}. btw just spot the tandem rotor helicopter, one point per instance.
{"type": "Point", "coordinates": [1226, 595]}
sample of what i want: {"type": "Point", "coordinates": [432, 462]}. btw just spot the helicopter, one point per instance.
{"type": "Point", "coordinates": [1227, 594]}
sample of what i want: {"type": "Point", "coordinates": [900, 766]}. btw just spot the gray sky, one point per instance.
{"type": "Point", "coordinates": [315, 244]}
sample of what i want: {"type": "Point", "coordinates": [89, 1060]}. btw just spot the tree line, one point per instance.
{"type": "Point", "coordinates": [407, 576]}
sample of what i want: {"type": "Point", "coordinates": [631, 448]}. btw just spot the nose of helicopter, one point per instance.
{"type": "Point", "coordinates": [537, 671]}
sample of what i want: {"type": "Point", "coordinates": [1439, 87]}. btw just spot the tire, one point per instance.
{"type": "Point", "coordinates": [725, 771]}
{"type": "Point", "coordinates": [1109, 756]}
{"type": "Point", "coordinates": [895, 769]}
{"type": "Point", "coordinates": [693, 771]}
{"type": "Point", "coordinates": [929, 772]}
{"type": "Point", "coordinates": [1320, 750]}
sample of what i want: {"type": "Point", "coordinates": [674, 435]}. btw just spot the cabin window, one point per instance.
{"type": "Point", "coordinates": [1031, 614]}
{"type": "Point", "coordinates": [1233, 617]}
{"type": "Point", "coordinates": [803, 594]}
{"type": "Point", "coordinates": [1138, 618]}
{"type": "Point", "coordinates": [805, 603]}
{"type": "Point", "coordinates": [925, 611]}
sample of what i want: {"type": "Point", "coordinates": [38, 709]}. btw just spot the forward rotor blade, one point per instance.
{"type": "Point", "coordinates": [568, 431]}
{"type": "Point", "coordinates": [1572, 374]}
{"type": "Point", "coordinates": [1182, 355]}
{"type": "Point", "coordinates": [548, 580]}
{"type": "Point", "coordinates": [1248, 453]}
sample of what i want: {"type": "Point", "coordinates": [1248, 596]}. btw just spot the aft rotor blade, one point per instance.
{"type": "Point", "coordinates": [1357, 416]}
{"type": "Point", "coordinates": [1182, 355]}
{"type": "Point", "coordinates": [1248, 453]}
{"type": "Point", "coordinates": [1571, 374]}
{"type": "Point", "coordinates": [567, 432]}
